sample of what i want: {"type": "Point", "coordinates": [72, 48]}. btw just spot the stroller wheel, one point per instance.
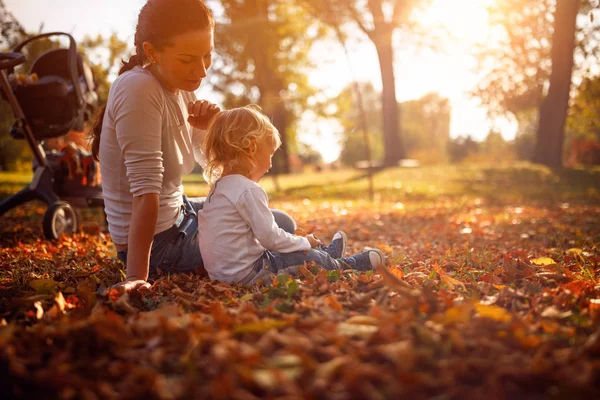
{"type": "Point", "coordinates": [59, 218]}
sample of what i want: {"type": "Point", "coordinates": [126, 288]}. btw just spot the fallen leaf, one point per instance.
{"type": "Point", "coordinates": [493, 312]}
{"type": "Point", "coordinates": [260, 326]}
{"type": "Point", "coordinates": [44, 285]}
{"type": "Point", "coordinates": [543, 261]}
{"type": "Point", "coordinates": [363, 331]}
{"type": "Point", "coordinates": [553, 312]}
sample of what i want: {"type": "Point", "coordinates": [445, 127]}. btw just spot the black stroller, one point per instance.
{"type": "Point", "coordinates": [57, 97]}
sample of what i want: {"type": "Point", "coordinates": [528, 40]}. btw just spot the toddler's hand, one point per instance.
{"type": "Point", "coordinates": [313, 240]}
{"type": "Point", "coordinates": [201, 113]}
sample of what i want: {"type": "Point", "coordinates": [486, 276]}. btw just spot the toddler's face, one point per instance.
{"type": "Point", "coordinates": [263, 159]}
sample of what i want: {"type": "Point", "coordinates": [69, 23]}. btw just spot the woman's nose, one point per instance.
{"type": "Point", "coordinates": [200, 70]}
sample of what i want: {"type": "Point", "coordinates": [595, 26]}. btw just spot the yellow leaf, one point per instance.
{"type": "Point", "coordinates": [247, 297]}
{"type": "Point", "coordinates": [362, 320]}
{"type": "Point", "coordinates": [574, 250]}
{"type": "Point", "coordinates": [460, 313]}
{"type": "Point", "coordinates": [260, 326]}
{"type": "Point", "coordinates": [43, 285]}
{"type": "Point", "coordinates": [493, 312]}
{"type": "Point", "coordinates": [543, 261]}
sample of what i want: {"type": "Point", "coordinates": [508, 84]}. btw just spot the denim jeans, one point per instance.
{"type": "Point", "coordinates": [272, 263]}
{"type": "Point", "coordinates": [177, 249]}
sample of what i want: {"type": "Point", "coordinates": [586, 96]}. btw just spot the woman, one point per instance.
{"type": "Point", "coordinates": [149, 135]}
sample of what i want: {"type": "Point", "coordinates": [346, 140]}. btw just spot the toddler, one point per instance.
{"type": "Point", "coordinates": [239, 239]}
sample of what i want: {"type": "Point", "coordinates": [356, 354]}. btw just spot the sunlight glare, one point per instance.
{"type": "Point", "coordinates": [466, 20]}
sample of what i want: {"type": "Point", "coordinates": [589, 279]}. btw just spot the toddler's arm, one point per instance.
{"type": "Point", "coordinates": [253, 206]}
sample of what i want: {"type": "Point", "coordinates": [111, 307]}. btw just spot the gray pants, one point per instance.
{"type": "Point", "coordinates": [177, 250]}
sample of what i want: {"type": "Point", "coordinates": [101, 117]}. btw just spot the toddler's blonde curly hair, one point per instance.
{"type": "Point", "coordinates": [231, 138]}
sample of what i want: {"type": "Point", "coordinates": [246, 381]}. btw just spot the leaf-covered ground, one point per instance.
{"type": "Point", "coordinates": [491, 292]}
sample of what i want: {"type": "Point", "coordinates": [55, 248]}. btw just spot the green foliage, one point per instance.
{"type": "Point", "coordinates": [461, 148]}
{"type": "Point", "coordinates": [11, 29]}
{"type": "Point", "coordinates": [517, 70]}
{"type": "Point", "coordinates": [494, 149]}
{"type": "Point", "coordinates": [378, 20]}
{"type": "Point", "coordinates": [262, 57]}
{"type": "Point", "coordinates": [354, 149]}
{"type": "Point", "coordinates": [425, 125]}
{"type": "Point", "coordinates": [426, 128]}
{"type": "Point", "coordinates": [584, 115]}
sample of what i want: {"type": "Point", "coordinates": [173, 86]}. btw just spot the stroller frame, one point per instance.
{"type": "Point", "coordinates": [60, 216]}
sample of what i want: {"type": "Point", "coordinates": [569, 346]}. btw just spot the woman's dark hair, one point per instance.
{"type": "Point", "coordinates": [158, 22]}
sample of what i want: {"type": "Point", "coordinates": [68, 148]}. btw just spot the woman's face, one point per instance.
{"type": "Point", "coordinates": [183, 64]}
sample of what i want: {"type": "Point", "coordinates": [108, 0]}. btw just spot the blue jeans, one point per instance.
{"type": "Point", "coordinates": [177, 249]}
{"type": "Point", "coordinates": [272, 263]}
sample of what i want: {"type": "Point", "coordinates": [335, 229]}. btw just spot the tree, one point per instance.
{"type": "Point", "coordinates": [12, 31]}
{"type": "Point", "coordinates": [426, 123]}
{"type": "Point", "coordinates": [378, 20]}
{"type": "Point", "coordinates": [553, 113]}
{"type": "Point", "coordinates": [426, 127]}
{"type": "Point", "coordinates": [353, 122]}
{"type": "Point", "coordinates": [517, 71]}
{"type": "Point", "coordinates": [583, 124]}
{"type": "Point", "coordinates": [584, 115]}
{"type": "Point", "coordinates": [262, 48]}
{"type": "Point", "coordinates": [462, 147]}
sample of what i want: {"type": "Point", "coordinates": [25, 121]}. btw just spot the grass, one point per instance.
{"type": "Point", "coordinates": [504, 184]}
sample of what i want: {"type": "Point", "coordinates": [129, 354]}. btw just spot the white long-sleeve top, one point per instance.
{"type": "Point", "coordinates": [236, 226]}
{"type": "Point", "coordinates": [146, 145]}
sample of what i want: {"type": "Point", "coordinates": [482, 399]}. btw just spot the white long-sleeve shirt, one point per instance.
{"type": "Point", "coordinates": [236, 226]}
{"type": "Point", "coordinates": [146, 145]}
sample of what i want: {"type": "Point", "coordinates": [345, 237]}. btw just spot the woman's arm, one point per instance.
{"type": "Point", "coordinates": [144, 215]}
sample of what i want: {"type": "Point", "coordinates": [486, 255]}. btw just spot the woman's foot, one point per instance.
{"type": "Point", "coordinates": [337, 248]}
{"type": "Point", "coordinates": [365, 261]}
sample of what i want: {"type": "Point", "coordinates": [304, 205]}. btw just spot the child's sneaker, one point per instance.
{"type": "Point", "coordinates": [365, 261]}
{"type": "Point", "coordinates": [337, 248]}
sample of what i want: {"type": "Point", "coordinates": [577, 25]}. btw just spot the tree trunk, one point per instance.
{"type": "Point", "coordinates": [394, 148]}
{"type": "Point", "coordinates": [270, 86]}
{"type": "Point", "coordinates": [281, 164]}
{"type": "Point", "coordinates": [554, 108]}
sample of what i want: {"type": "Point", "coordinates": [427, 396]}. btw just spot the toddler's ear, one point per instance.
{"type": "Point", "coordinates": [253, 147]}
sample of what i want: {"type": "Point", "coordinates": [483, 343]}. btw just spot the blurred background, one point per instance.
{"type": "Point", "coordinates": [380, 83]}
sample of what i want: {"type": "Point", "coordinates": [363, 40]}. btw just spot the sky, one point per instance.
{"type": "Point", "coordinates": [449, 70]}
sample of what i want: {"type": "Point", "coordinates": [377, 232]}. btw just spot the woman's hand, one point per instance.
{"type": "Point", "coordinates": [201, 113]}
{"type": "Point", "coordinates": [313, 240]}
{"type": "Point", "coordinates": [132, 284]}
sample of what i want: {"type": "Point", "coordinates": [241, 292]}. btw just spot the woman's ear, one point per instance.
{"type": "Point", "coordinates": [150, 51]}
